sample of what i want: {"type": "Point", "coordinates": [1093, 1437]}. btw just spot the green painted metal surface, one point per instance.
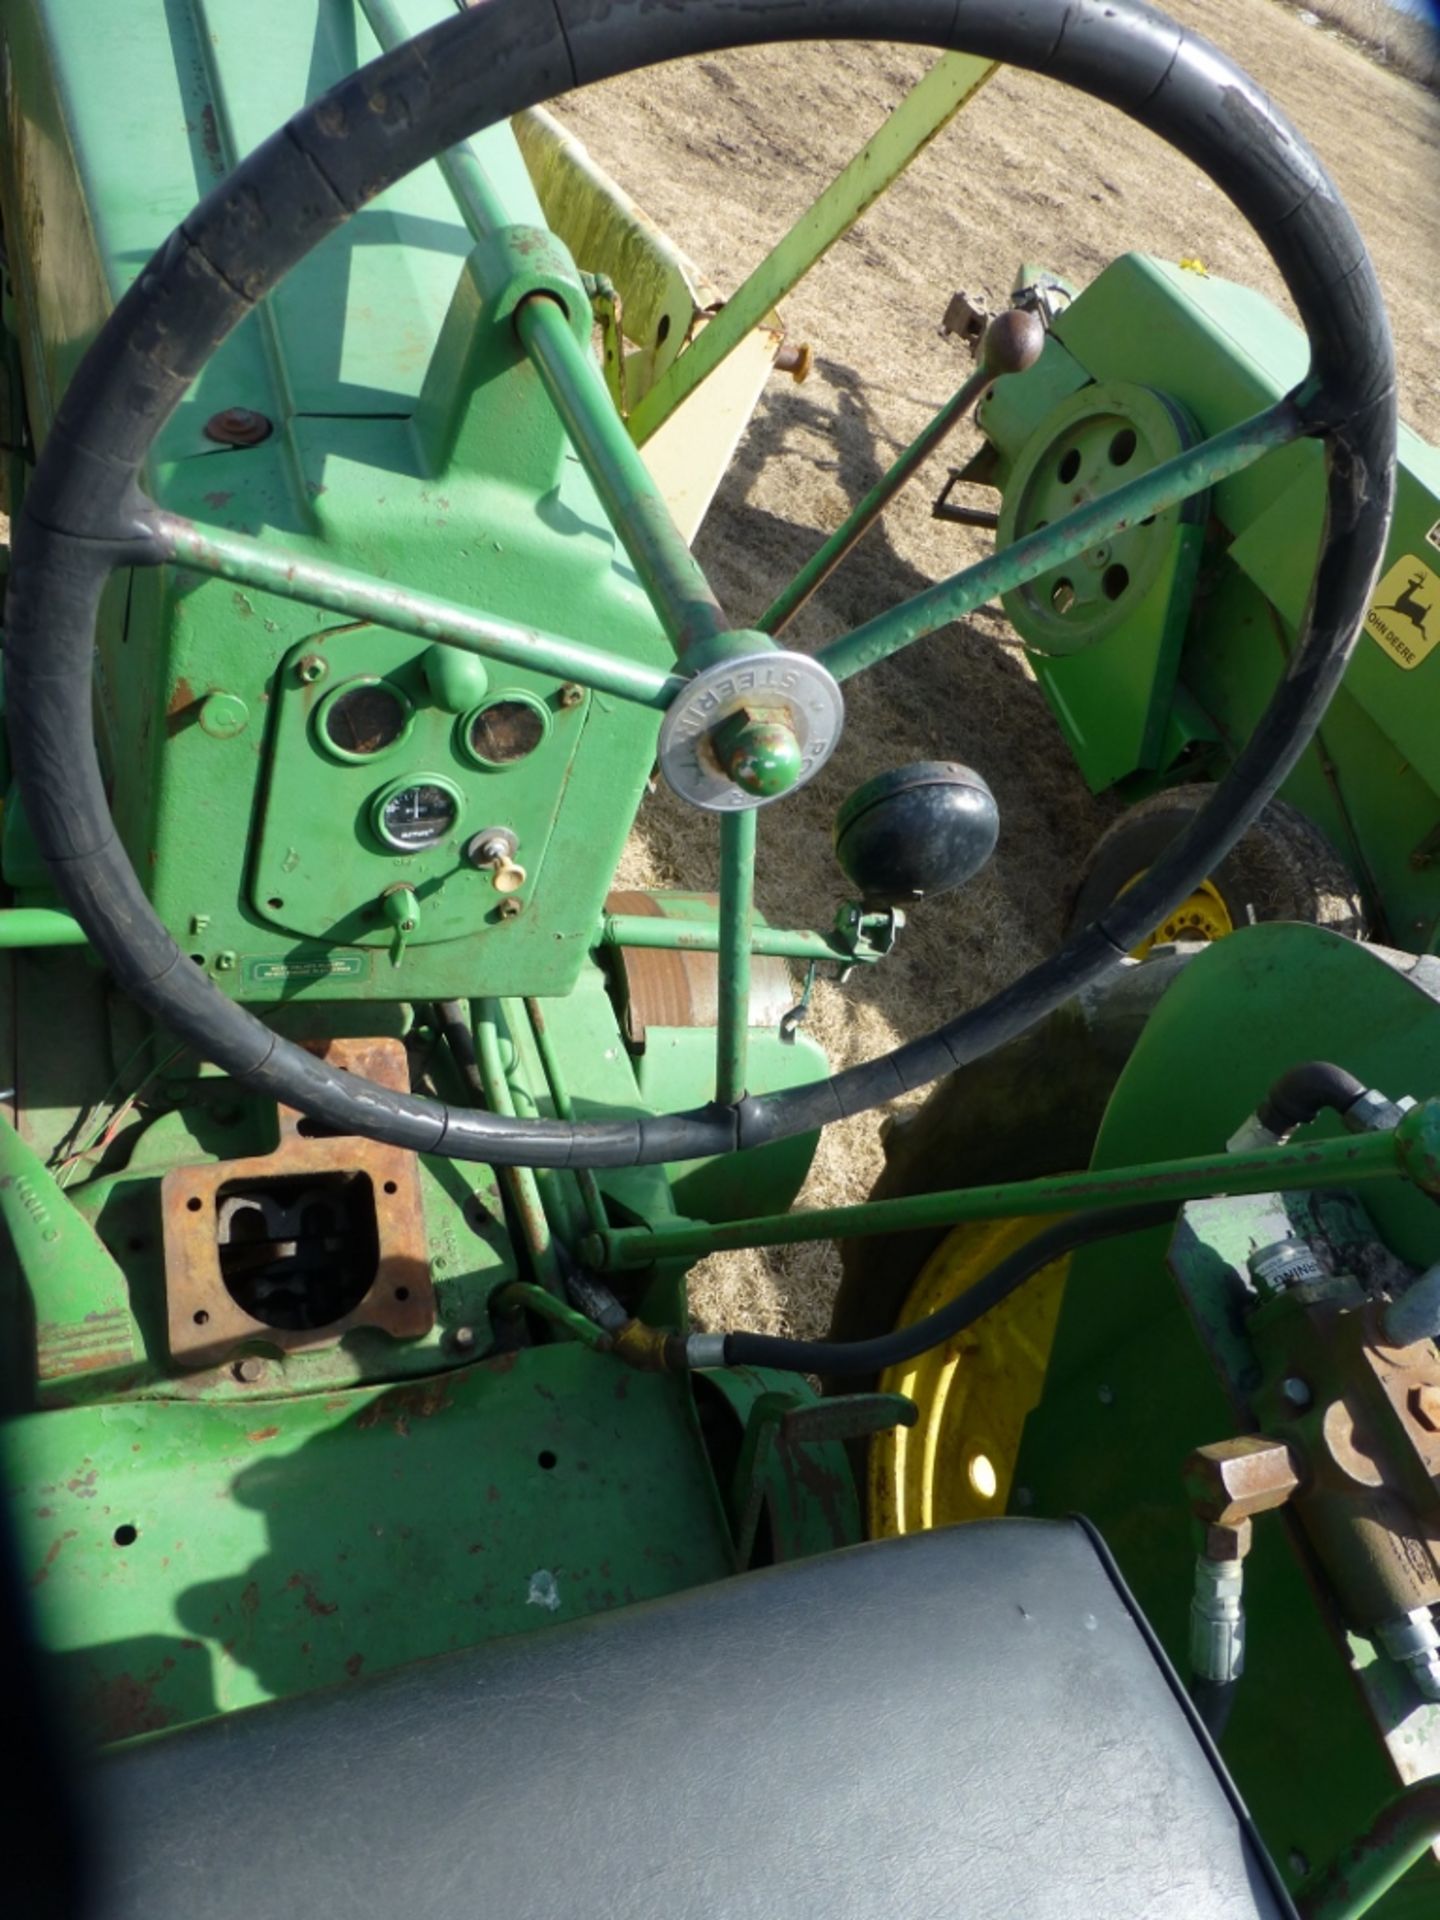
{"type": "Point", "coordinates": [1221, 456]}
{"type": "Point", "coordinates": [412, 441]}
{"type": "Point", "coordinates": [218, 1556]}
{"type": "Point", "coordinates": [1371, 780]}
{"type": "Point", "coordinates": [1132, 1390]}
{"type": "Point", "coordinates": [1365, 1158]}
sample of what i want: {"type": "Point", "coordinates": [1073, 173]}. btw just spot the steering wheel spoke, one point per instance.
{"type": "Point", "coordinates": [292, 575]}
{"type": "Point", "coordinates": [1166, 485]}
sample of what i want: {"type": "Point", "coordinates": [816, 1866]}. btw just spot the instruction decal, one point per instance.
{"type": "Point", "coordinates": [273, 969]}
{"type": "Point", "coordinates": [1404, 616]}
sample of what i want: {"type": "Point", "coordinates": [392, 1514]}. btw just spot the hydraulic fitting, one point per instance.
{"type": "Point", "coordinates": [1217, 1617]}
{"type": "Point", "coordinates": [1413, 1641]}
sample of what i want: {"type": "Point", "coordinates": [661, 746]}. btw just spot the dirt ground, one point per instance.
{"type": "Point", "coordinates": [725, 153]}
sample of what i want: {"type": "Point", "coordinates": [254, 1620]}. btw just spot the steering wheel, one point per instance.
{"type": "Point", "coordinates": [85, 514]}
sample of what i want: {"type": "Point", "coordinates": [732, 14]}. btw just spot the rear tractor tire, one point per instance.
{"type": "Point", "coordinates": [1283, 868]}
{"type": "Point", "coordinates": [1032, 1108]}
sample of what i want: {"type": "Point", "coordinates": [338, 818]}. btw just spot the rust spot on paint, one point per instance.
{"type": "Point", "coordinates": [406, 1404]}
{"type": "Point", "coordinates": [42, 1572]}
{"type": "Point", "coordinates": [218, 500]}
{"type": "Point", "coordinates": [262, 1433]}
{"type": "Point", "coordinates": [120, 1706]}
{"type": "Point", "coordinates": [313, 1602]}
{"type": "Point", "coordinates": [250, 1598]}
{"type": "Point", "coordinates": [354, 1664]}
{"type": "Point", "coordinates": [181, 708]}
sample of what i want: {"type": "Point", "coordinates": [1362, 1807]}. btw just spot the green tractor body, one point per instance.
{"type": "Point", "coordinates": [278, 774]}
{"type": "Point", "coordinates": [397, 627]}
{"type": "Point", "coordinates": [1158, 651]}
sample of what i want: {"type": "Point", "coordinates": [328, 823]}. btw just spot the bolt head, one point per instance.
{"type": "Point", "coordinates": [1295, 1391]}
{"type": "Point", "coordinates": [463, 1339]}
{"type": "Point", "coordinates": [238, 427]}
{"type": "Point", "coordinates": [571, 695]}
{"type": "Point", "coordinates": [247, 1372]}
{"type": "Point", "coordinates": [509, 909]}
{"type": "Point", "coordinates": [311, 669]}
{"type": "Point", "coordinates": [1425, 1405]}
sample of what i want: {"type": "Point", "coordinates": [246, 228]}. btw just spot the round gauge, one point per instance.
{"type": "Point", "coordinates": [505, 730]}
{"type": "Point", "coordinates": [363, 718]}
{"type": "Point", "coordinates": [416, 814]}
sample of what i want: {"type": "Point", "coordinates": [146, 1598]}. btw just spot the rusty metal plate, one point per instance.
{"type": "Point", "coordinates": [205, 1320]}
{"type": "Point", "coordinates": [678, 987]}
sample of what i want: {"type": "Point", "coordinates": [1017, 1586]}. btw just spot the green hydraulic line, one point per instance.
{"type": "Point", "coordinates": [560, 1097]}
{"type": "Point", "coordinates": [39, 927]}
{"type": "Point", "coordinates": [703, 936]}
{"type": "Point", "coordinates": [930, 105]}
{"type": "Point", "coordinates": [1026, 559]}
{"type": "Point", "coordinates": [737, 914]}
{"type": "Point", "coordinates": [1400, 1835]}
{"type": "Point", "coordinates": [671, 576]}
{"type": "Point", "coordinates": [519, 1296]}
{"type": "Point", "coordinates": [293, 576]}
{"type": "Point", "coordinates": [520, 1182]}
{"type": "Point", "coordinates": [1271, 1169]}
{"type": "Point", "coordinates": [818, 569]}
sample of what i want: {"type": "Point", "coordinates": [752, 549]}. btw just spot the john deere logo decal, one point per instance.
{"type": "Point", "coordinates": [1405, 613]}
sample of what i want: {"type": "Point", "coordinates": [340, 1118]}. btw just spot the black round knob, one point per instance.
{"type": "Point", "coordinates": [916, 830]}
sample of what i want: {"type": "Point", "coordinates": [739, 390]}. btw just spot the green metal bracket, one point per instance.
{"type": "Point", "coordinates": [928, 107]}
{"type": "Point", "coordinates": [783, 1421]}
{"type": "Point", "coordinates": [61, 1260]}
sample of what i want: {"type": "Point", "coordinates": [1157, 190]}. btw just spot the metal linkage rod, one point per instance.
{"type": "Point", "coordinates": [678, 590]}
{"type": "Point", "coordinates": [360, 596]}
{"type": "Point", "coordinates": [1279, 1169]}
{"type": "Point", "coordinates": [703, 936]}
{"type": "Point", "coordinates": [670, 574]}
{"type": "Point", "coordinates": [737, 913]}
{"type": "Point", "coordinates": [1026, 559]}
{"type": "Point", "coordinates": [1012, 343]}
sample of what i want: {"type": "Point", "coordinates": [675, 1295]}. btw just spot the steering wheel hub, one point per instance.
{"type": "Point", "coordinates": [749, 729]}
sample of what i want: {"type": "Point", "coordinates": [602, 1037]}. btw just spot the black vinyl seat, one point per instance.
{"type": "Point", "coordinates": [972, 1723]}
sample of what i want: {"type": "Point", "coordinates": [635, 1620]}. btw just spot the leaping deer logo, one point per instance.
{"type": "Point", "coordinates": [1408, 607]}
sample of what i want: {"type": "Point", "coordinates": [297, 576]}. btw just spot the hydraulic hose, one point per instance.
{"type": "Point", "coordinates": [849, 1357]}
{"type": "Point", "coordinates": [1303, 1093]}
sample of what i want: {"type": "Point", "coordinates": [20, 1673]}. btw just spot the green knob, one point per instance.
{"type": "Point", "coordinates": [760, 755]}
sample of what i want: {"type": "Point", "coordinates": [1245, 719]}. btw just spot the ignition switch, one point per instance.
{"type": "Point", "coordinates": [493, 850]}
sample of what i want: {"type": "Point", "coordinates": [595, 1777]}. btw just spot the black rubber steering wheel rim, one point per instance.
{"type": "Point", "coordinates": [85, 514]}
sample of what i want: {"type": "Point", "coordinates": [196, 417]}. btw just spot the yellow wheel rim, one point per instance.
{"type": "Point", "coordinates": [1203, 916]}
{"type": "Point", "coordinates": [958, 1461]}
